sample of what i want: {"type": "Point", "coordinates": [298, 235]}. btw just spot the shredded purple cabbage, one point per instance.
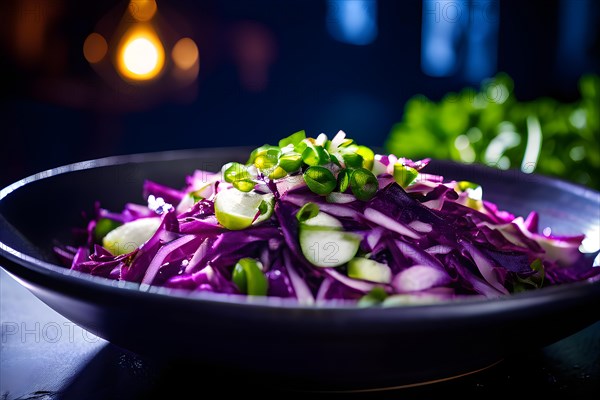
{"type": "Point", "coordinates": [438, 243]}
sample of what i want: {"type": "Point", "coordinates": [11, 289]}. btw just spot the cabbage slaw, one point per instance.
{"type": "Point", "coordinates": [319, 220]}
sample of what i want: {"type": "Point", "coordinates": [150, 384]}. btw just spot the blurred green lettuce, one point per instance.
{"type": "Point", "coordinates": [492, 127]}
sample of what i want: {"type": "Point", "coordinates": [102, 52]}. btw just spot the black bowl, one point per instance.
{"type": "Point", "coordinates": [316, 347]}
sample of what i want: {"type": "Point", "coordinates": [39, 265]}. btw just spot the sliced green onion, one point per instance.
{"type": "Point", "coordinates": [290, 162]}
{"type": "Point", "coordinates": [319, 180]}
{"type": "Point", "coordinates": [327, 146]}
{"type": "Point", "coordinates": [294, 139]}
{"type": "Point", "coordinates": [368, 156]}
{"type": "Point", "coordinates": [336, 159]}
{"type": "Point", "coordinates": [533, 281]}
{"type": "Point", "coordinates": [300, 147]}
{"type": "Point", "coordinates": [353, 160]}
{"type": "Point", "coordinates": [315, 155]}
{"type": "Point", "coordinates": [263, 207]}
{"type": "Point", "coordinates": [235, 172]}
{"type": "Point", "coordinates": [538, 267]}
{"type": "Point", "coordinates": [346, 143]}
{"type": "Point", "coordinates": [474, 194]}
{"type": "Point", "coordinates": [309, 210]}
{"type": "Point", "coordinates": [267, 159]}
{"type": "Point", "coordinates": [404, 175]}
{"type": "Point", "coordinates": [195, 196]}
{"type": "Point", "coordinates": [259, 150]}
{"type": "Point", "coordinates": [239, 278]}
{"type": "Point", "coordinates": [277, 173]}
{"type": "Point", "coordinates": [343, 180]}
{"type": "Point", "coordinates": [464, 185]}
{"type": "Point", "coordinates": [473, 190]}
{"type": "Point", "coordinates": [249, 278]}
{"type": "Point", "coordinates": [103, 226]}
{"type": "Point", "coordinates": [376, 296]}
{"type": "Point", "coordinates": [244, 185]}
{"type": "Point", "coordinates": [363, 184]}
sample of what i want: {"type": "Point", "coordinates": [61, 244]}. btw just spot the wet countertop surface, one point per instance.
{"type": "Point", "coordinates": [45, 356]}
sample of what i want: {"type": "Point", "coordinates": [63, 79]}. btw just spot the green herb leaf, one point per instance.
{"type": "Point", "coordinates": [491, 126]}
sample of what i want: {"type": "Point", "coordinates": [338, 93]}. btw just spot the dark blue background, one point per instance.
{"type": "Point", "coordinates": [56, 110]}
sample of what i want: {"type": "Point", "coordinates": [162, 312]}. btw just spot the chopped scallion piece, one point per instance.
{"type": "Point", "coordinates": [103, 226]}
{"type": "Point", "coordinates": [367, 155]}
{"type": "Point", "coordinates": [315, 155]}
{"type": "Point", "coordinates": [277, 173]}
{"type": "Point", "coordinates": [320, 180]}
{"type": "Point", "coordinates": [404, 175]}
{"type": "Point", "coordinates": [309, 210]}
{"type": "Point", "coordinates": [294, 139]}
{"type": "Point", "coordinates": [266, 160]}
{"type": "Point", "coordinates": [343, 180]}
{"type": "Point", "coordinates": [363, 184]}
{"type": "Point", "coordinates": [353, 160]}
{"type": "Point", "coordinates": [259, 150]}
{"type": "Point", "coordinates": [464, 185]}
{"type": "Point", "coordinates": [235, 172]}
{"type": "Point", "coordinates": [376, 296]}
{"type": "Point", "coordinates": [244, 185]}
{"type": "Point", "coordinates": [290, 162]}
{"type": "Point", "coordinates": [249, 278]}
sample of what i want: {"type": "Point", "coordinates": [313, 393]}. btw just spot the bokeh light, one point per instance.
{"type": "Point", "coordinates": [141, 55]}
{"type": "Point", "coordinates": [142, 10]}
{"type": "Point", "coordinates": [185, 53]}
{"type": "Point", "coordinates": [95, 48]}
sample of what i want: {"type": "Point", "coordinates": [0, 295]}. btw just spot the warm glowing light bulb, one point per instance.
{"type": "Point", "coordinates": [140, 56]}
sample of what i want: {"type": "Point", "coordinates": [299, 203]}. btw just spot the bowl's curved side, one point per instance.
{"type": "Point", "coordinates": [323, 348]}
{"type": "Point", "coordinates": [324, 345]}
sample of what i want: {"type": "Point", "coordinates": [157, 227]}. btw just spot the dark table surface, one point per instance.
{"type": "Point", "coordinates": [45, 356]}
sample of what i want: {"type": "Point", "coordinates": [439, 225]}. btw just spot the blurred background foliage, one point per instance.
{"type": "Point", "coordinates": [491, 126]}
